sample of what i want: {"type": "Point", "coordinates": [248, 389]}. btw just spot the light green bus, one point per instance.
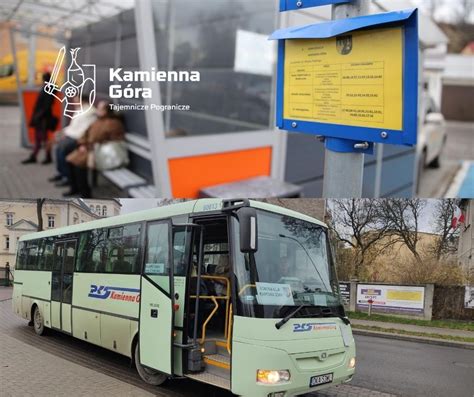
{"type": "Point", "coordinates": [239, 294]}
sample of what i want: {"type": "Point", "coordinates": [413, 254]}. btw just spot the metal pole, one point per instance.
{"type": "Point", "coordinates": [344, 171]}
{"type": "Point", "coordinates": [32, 57]}
{"type": "Point", "coordinates": [198, 284]}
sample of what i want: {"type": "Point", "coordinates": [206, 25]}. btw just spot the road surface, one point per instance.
{"type": "Point", "coordinates": [58, 365]}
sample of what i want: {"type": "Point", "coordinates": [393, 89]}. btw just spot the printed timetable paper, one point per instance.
{"type": "Point", "coordinates": [355, 79]}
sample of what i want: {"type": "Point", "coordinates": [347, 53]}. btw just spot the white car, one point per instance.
{"type": "Point", "coordinates": [432, 137]}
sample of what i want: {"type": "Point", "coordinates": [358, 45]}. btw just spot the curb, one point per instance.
{"type": "Point", "coordinates": [413, 338]}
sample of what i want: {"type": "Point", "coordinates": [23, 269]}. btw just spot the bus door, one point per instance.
{"type": "Point", "coordinates": [61, 285]}
{"type": "Point", "coordinates": [157, 299]}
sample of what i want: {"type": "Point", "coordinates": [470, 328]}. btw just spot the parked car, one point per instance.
{"type": "Point", "coordinates": [432, 137]}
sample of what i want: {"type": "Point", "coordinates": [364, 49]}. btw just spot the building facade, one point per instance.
{"type": "Point", "coordinates": [19, 217]}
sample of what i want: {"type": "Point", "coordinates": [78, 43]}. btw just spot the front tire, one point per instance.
{"type": "Point", "coordinates": [38, 322]}
{"type": "Point", "coordinates": [148, 375]}
{"type": "Point", "coordinates": [435, 163]}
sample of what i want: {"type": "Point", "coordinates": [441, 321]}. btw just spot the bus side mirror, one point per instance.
{"type": "Point", "coordinates": [248, 229]}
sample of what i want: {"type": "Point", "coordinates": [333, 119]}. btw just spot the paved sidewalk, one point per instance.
{"type": "Point", "coordinates": [30, 181]}
{"type": "Point", "coordinates": [5, 293]}
{"type": "Point", "coordinates": [28, 371]}
{"type": "Point", "coordinates": [415, 328]}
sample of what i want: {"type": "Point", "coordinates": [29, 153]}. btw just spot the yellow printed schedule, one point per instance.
{"type": "Point", "coordinates": [355, 79]}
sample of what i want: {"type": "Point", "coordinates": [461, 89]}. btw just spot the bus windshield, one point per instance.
{"type": "Point", "coordinates": [292, 267]}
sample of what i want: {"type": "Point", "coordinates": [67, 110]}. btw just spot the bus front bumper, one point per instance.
{"type": "Point", "coordinates": [305, 368]}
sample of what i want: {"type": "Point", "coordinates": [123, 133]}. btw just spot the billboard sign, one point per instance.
{"type": "Point", "coordinates": [354, 78]}
{"type": "Point", "coordinates": [391, 298]}
{"type": "Point", "coordinates": [345, 291]}
{"type": "Point", "coordinates": [469, 298]}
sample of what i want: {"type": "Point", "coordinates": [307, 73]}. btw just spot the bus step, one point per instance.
{"type": "Point", "coordinates": [211, 379]}
{"type": "Point", "coordinates": [218, 360]}
{"type": "Point", "coordinates": [221, 347]}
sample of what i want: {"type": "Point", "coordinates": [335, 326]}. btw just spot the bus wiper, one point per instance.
{"type": "Point", "coordinates": [284, 320]}
{"type": "Point", "coordinates": [344, 319]}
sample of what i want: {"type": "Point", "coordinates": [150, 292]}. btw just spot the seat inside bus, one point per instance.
{"type": "Point", "coordinates": [215, 280]}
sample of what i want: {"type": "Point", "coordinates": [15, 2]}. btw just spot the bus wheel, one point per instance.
{"type": "Point", "coordinates": [38, 321]}
{"type": "Point", "coordinates": [149, 375]}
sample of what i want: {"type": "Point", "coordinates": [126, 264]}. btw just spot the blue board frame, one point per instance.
{"type": "Point", "coordinates": [287, 5]}
{"type": "Point", "coordinates": [408, 135]}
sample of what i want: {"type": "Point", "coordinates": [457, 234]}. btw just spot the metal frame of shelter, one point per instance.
{"type": "Point", "coordinates": [63, 15]}
{"type": "Point", "coordinates": [157, 148]}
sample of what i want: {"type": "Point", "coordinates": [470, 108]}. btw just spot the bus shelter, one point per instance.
{"type": "Point", "coordinates": [228, 134]}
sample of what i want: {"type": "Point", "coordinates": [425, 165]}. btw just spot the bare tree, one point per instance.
{"type": "Point", "coordinates": [401, 218]}
{"type": "Point", "coordinates": [39, 212]}
{"type": "Point", "coordinates": [448, 237]}
{"type": "Point", "coordinates": [356, 222]}
{"type": "Point", "coordinates": [466, 9]}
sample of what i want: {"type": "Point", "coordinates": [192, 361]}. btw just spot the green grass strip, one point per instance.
{"type": "Point", "coordinates": [451, 324]}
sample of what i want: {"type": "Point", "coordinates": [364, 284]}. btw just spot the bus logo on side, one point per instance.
{"type": "Point", "coordinates": [307, 327]}
{"type": "Point", "coordinates": [114, 293]}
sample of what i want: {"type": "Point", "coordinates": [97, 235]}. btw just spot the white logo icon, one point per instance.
{"type": "Point", "coordinates": [80, 82]}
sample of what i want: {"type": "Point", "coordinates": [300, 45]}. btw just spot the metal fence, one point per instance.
{"type": "Point", "coordinates": [6, 276]}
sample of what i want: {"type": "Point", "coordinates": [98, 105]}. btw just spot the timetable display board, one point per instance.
{"type": "Point", "coordinates": [360, 83]}
{"type": "Point", "coordinates": [353, 79]}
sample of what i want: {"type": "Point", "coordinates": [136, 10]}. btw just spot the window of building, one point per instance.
{"type": "Point", "coordinates": [51, 221]}
{"type": "Point", "coordinates": [75, 218]}
{"type": "Point", "coordinates": [7, 242]}
{"type": "Point", "coordinates": [104, 210]}
{"type": "Point", "coordinates": [97, 209]}
{"type": "Point", "coordinates": [92, 208]}
{"type": "Point", "coordinates": [9, 216]}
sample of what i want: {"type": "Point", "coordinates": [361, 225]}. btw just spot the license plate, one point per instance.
{"type": "Point", "coordinates": [319, 380]}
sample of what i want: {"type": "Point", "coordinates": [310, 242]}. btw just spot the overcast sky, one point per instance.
{"type": "Point", "coordinates": [446, 12]}
{"type": "Point", "coordinates": [134, 205]}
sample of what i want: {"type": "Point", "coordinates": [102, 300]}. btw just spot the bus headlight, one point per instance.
{"type": "Point", "coordinates": [352, 363]}
{"type": "Point", "coordinates": [270, 377]}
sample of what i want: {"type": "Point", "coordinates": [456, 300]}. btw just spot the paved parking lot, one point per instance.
{"type": "Point", "coordinates": [459, 148]}
{"type": "Point", "coordinates": [59, 365]}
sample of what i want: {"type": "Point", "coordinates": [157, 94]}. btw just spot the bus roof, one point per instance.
{"type": "Point", "coordinates": [188, 207]}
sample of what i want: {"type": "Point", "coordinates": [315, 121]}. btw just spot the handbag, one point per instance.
{"type": "Point", "coordinates": [110, 155]}
{"type": "Point", "coordinates": [78, 158]}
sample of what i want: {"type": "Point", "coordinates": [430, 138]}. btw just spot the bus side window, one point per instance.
{"type": "Point", "coordinates": [180, 254]}
{"type": "Point", "coordinates": [21, 260]}
{"type": "Point", "coordinates": [45, 260]}
{"type": "Point", "coordinates": [123, 249]}
{"type": "Point", "coordinates": [92, 251]}
{"type": "Point", "coordinates": [157, 255]}
{"type": "Point", "coordinates": [32, 255]}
